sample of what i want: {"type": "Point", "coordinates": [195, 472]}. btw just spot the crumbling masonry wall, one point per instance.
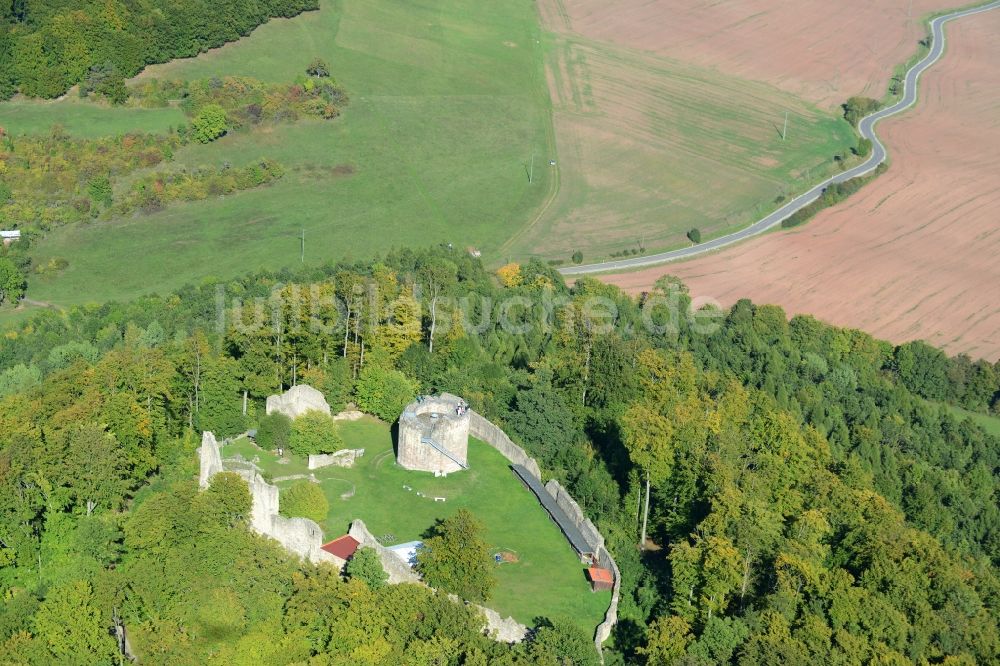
{"type": "Point", "coordinates": [296, 401]}
{"type": "Point", "coordinates": [210, 458]}
{"type": "Point", "coordinates": [503, 629]}
{"type": "Point", "coordinates": [298, 535]}
{"type": "Point", "coordinates": [398, 570]}
{"type": "Point", "coordinates": [481, 428]}
{"type": "Point", "coordinates": [603, 631]}
{"type": "Point", "coordinates": [341, 458]}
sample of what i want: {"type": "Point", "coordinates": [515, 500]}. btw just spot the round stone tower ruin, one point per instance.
{"type": "Point", "coordinates": [434, 435]}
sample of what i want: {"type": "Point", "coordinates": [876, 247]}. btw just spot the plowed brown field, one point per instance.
{"type": "Point", "coordinates": [914, 255]}
{"type": "Point", "coordinates": [820, 50]}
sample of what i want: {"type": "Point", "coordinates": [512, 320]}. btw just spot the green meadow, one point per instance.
{"type": "Point", "coordinates": [991, 424]}
{"type": "Point", "coordinates": [547, 580]}
{"type": "Point", "coordinates": [447, 105]}
{"type": "Point", "coordinates": [452, 105]}
{"type": "Point", "coordinates": [84, 118]}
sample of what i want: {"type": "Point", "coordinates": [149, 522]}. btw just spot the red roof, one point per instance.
{"type": "Point", "coordinates": [599, 575]}
{"type": "Point", "coordinates": [342, 547]}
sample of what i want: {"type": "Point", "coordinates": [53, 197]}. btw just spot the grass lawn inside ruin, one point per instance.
{"type": "Point", "coordinates": [546, 581]}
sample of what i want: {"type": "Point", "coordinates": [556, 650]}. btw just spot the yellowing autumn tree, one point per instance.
{"type": "Point", "coordinates": [510, 275]}
{"type": "Point", "coordinates": [671, 411]}
{"type": "Point", "coordinates": [402, 329]}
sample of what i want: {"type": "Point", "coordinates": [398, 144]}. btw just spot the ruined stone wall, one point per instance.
{"type": "Point", "coordinates": [211, 459]}
{"type": "Point", "coordinates": [603, 631]}
{"type": "Point", "coordinates": [302, 537]}
{"type": "Point", "coordinates": [500, 629]}
{"type": "Point", "coordinates": [480, 428]}
{"type": "Point", "coordinates": [483, 429]}
{"type": "Point", "coordinates": [298, 535]}
{"type": "Point", "coordinates": [398, 571]}
{"type": "Point", "coordinates": [296, 401]}
{"type": "Point", "coordinates": [503, 629]}
{"type": "Point", "coordinates": [342, 458]}
{"type": "Point", "coordinates": [264, 498]}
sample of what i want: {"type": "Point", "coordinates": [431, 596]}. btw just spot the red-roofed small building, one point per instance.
{"type": "Point", "coordinates": [600, 579]}
{"type": "Point", "coordinates": [342, 548]}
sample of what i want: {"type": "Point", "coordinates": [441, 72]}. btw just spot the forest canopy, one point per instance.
{"type": "Point", "coordinates": [812, 496]}
{"type": "Point", "coordinates": [48, 46]}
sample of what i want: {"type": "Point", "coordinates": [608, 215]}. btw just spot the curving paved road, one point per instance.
{"type": "Point", "coordinates": [867, 129]}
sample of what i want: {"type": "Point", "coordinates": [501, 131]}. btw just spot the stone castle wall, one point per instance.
{"type": "Point", "coordinates": [482, 428]}
{"type": "Point", "coordinates": [503, 629]}
{"type": "Point", "coordinates": [596, 541]}
{"type": "Point", "coordinates": [398, 571]}
{"type": "Point", "coordinates": [296, 401]}
{"type": "Point", "coordinates": [298, 535]}
{"type": "Point", "coordinates": [603, 631]}
{"type": "Point", "coordinates": [573, 510]}
{"type": "Point", "coordinates": [210, 458]}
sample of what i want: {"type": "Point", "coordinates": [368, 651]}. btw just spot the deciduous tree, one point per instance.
{"type": "Point", "coordinates": [382, 391]}
{"type": "Point", "coordinates": [366, 565]}
{"type": "Point", "coordinates": [315, 432]}
{"type": "Point", "coordinates": [274, 431]}
{"type": "Point", "coordinates": [12, 282]}
{"type": "Point", "coordinates": [71, 628]}
{"type": "Point", "coordinates": [209, 124]}
{"type": "Point", "coordinates": [457, 559]}
{"type": "Point", "coordinates": [304, 499]}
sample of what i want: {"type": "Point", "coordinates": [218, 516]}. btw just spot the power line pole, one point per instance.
{"type": "Point", "coordinates": [531, 169]}
{"type": "Point", "coordinates": [302, 254]}
{"type": "Point", "coordinates": [784, 132]}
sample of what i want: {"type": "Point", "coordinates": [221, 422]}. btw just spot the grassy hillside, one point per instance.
{"type": "Point", "coordinates": [650, 147]}
{"type": "Point", "coordinates": [990, 424]}
{"type": "Point", "coordinates": [448, 103]}
{"type": "Point", "coordinates": [450, 108]}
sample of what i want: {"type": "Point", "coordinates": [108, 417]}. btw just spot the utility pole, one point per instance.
{"type": "Point", "coordinates": [302, 256]}
{"type": "Point", "coordinates": [784, 131]}
{"type": "Point", "coordinates": [531, 169]}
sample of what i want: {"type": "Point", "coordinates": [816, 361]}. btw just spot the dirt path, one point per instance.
{"type": "Point", "coordinates": [911, 256]}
